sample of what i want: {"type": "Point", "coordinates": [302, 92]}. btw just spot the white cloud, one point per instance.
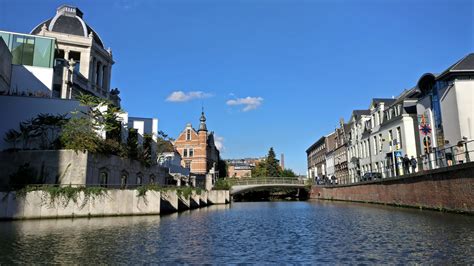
{"type": "Point", "coordinates": [251, 103]}
{"type": "Point", "coordinates": [181, 96]}
{"type": "Point", "coordinates": [219, 142]}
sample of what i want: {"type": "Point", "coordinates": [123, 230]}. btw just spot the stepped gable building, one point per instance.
{"type": "Point", "coordinates": [197, 149]}
{"type": "Point", "coordinates": [81, 61]}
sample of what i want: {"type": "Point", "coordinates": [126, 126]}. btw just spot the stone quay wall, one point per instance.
{"type": "Point", "coordinates": [80, 168]}
{"type": "Point", "coordinates": [114, 202]}
{"type": "Point", "coordinates": [448, 189]}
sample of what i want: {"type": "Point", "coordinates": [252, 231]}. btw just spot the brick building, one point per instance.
{"type": "Point", "coordinates": [197, 149]}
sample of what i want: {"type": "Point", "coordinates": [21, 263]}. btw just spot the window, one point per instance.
{"type": "Point", "coordinates": [381, 142]}
{"type": "Point", "coordinates": [43, 52]}
{"type": "Point", "coordinates": [187, 164]}
{"type": "Point", "coordinates": [191, 152]}
{"type": "Point", "coordinates": [188, 134]}
{"type": "Point", "coordinates": [103, 179]}
{"type": "Point", "coordinates": [185, 152]}
{"type": "Point", "coordinates": [399, 137]}
{"type": "Point", "coordinates": [76, 56]}
{"type": "Point", "coordinates": [375, 144]}
{"type": "Point", "coordinates": [152, 179]}
{"type": "Point", "coordinates": [123, 180]}
{"type": "Point", "coordinates": [139, 179]}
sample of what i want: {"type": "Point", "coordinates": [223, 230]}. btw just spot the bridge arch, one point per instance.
{"type": "Point", "coordinates": [243, 186]}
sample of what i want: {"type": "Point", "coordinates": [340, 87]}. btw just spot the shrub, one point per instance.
{"type": "Point", "coordinates": [79, 134]}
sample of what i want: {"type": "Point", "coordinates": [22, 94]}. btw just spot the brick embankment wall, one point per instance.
{"type": "Point", "coordinates": [441, 189]}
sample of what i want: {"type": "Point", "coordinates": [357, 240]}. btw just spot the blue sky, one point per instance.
{"type": "Point", "coordinates": [269, 73]}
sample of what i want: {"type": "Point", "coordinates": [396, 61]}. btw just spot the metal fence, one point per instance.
{"type": "Point", "coordinates": [435, 159]}
{"type": "Point", "coordinates": [269, 180]}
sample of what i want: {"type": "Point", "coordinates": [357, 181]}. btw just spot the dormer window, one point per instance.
{"type": "Point", "coordinates": [188, 134]}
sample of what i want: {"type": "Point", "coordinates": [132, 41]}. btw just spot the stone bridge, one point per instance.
{"type": "Point", "coordinates": [244, 185]}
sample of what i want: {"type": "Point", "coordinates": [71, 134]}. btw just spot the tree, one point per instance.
{"type": "Point", "coordinates": [260, 170]}
{"type": "Point", "coordinates": [164, 143]}
{"type": "Point", "coordinates": [288, 173]}
{"type": "Point", "coordinates": [79, 134]}
{"type": "Point", "coordinates": [272, 164]}
{"type": "Point", "coordinates": [132, 143]}
{"type": "Point", "coordinates": [12, 136]}
{"type": "Point", "coordinates": [146, 154]}
{"type": "Point", "coordinates": [222, 168]}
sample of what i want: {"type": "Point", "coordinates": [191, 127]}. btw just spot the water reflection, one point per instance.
{"type": "Point", "coordinates": [269, 232]}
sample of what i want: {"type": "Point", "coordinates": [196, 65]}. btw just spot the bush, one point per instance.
{"type": "Point", "coordinates": [79, 134]}
{"type": "Point", "coordinates": [222, 184]}
{"type": "Point", "coordinates": [113, 147]}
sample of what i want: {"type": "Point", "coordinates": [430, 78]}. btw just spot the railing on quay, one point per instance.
{"type": "Point", "coordinates": [268, 181]}
{"type": "Point", "coordinates": [436, 159]}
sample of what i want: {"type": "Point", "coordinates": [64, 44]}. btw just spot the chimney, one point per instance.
{"type": "Point", "coordinates": [282, 161]}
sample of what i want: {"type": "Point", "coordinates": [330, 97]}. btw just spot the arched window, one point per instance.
{"type": "Point", "coordinates": [139, 179]}
{"type": "Point", "coordinates": [103, 178]}
{"type": "Point", "coordinates": [152, 179]}
{"type": "Point", "coordinates": [123, 179]}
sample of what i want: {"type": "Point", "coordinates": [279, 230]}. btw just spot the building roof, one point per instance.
{"type": "Point", "coordinates": [386, 101]}
{"type": "Point", "coordinates": [316, 144]}
{"type": "Point", "coordinates": [465, 64]}
{"type": "Point", "coordinates": [68, 20]}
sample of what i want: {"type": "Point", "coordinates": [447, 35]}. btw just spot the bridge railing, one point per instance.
{"type": "Point", "coordinates": [264, 181]}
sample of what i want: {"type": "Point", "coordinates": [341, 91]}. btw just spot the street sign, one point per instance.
{"type": "Point", "coordinates": [398, 153]}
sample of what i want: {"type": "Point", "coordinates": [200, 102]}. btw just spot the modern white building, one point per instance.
{"type": "Point", "coordinates": [446, 110]}
{"type": "Point", "coordinates": [27, 64]}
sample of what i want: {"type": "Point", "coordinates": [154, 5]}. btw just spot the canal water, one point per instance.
{"type": "Point", "coordinates": [262, 232]}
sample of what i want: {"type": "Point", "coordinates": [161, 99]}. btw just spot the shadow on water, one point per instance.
{"type": "Point", "coordinates": [272, 194]}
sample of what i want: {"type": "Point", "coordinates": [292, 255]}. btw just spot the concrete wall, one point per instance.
{"type": "Point", "coordinates": [451, 190]}
{"type": "Point", "coordinates": [16, 109]}
{"type": "Point", "coordinates": [38, 205]}
{"type": "Point", "coordinates": [218, 197]}
{"type": "Point", "coordinates": [56, 166]}
{"type": "Point", "coordinates": [70, 167]}
{"type": "Point", "coordinates": [169, 201]}
{"type": "Point", "coordinates": [30, 79]}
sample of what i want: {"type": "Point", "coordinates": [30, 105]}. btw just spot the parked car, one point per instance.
{"type": "Point", "coordinates": [371, 176]}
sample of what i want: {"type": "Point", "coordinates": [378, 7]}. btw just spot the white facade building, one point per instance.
{"type": "Point", "coordinates": [356, 149]}
{"type": "Point", "coordinates": [390, 134]}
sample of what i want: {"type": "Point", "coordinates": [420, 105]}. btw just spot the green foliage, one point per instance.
{"type": "Point", "coordinates": [288, 173]}
{"type": "Point", "coordinates": [111, 146]}
{"type": "Point", "coordinates": [184, 191]}
{"type": "Point", "coordinates": [12, 136]}
{"type": "Point", "coordinates": [146, 154]}
{"type": "Point", "coordinates": [42, 130]}
{"type": "Point", "coordinates": [142, 190]}
{"type": "Point", "coordinates": [222, 168]}
{"type": "Point", "coordinates": [64, 195]}
{"type": "Point", "coordinates": [260, 170]}
{"type": "Point", "coordinates": [24, 176]}
{"type": "Point", "coordinates": [79, 134]}
{"type": "Point", "coordinates": [222, 184]}
{"type": "Point", "coordinates": [163, 143]}
{"type": "Point", "coordinates": [132, 143]}
{"type": "Point", "coordinates": [272, 164]}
